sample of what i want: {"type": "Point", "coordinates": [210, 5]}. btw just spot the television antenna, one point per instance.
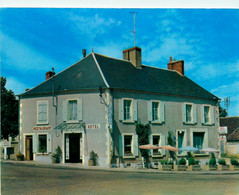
{"type": "Point", "coordinates": [134, 28]}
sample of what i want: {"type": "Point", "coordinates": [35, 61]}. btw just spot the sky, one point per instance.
{"type": "Point", "coordinates": [33, 40]}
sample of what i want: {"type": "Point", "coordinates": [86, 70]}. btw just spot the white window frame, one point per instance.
{"type": "Point", "coordinates": [38, 143]}
{"type": "Point", "coordinates": [68, 107]}
{"type": "Point", "coordinates": [160, 144]}
{"type": "Point", "coordinates": [184, 141]}
{"type": "Point", "coordinates": [131, 110]}
{"type": "Point", "coordinates": [189, 122]}
{"type": "Point", "coordinates": [47, 113]}
{"type": "Point", "coordinates": [24, 144]}
{"type": "Point", "coordinates": [193, 113]}
{"type": "Point", "coordinates": [199, 130]}
{"type": "Point", "coordinates": [132, 145]}
{"type": "Point", "coordinates": [209, 113]}
{"type": "Point", "coordinates": [158, 120]}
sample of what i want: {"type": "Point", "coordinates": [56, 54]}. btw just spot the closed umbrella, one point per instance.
{"type": "Point", "coordinates": [189, 148]}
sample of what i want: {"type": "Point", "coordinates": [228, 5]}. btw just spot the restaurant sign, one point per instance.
{"type": "Point", "coordinates": [42, 128]}
{"type": "Point", "coordinates": [223, 130]}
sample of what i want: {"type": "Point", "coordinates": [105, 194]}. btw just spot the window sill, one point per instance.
{"type": "Point", "coordinates": [128, 157]}
{"type": "Point", "coordinates": [128, 121]}
{"type": "Point", "coordinates": [208, 124]}
{"type": "Point", "coordinates": [72, 121]}
{"type": "Point", "coordinates": [38, 124]}
{"type": "Point", "coordinates": [156, 122]}
{"type": "Point", "coordinates": [38, 153]}
{"type": "Point", "coordinates": [189, 123]}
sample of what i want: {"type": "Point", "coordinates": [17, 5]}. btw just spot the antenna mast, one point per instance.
{"type": "Point", "coordinates": [134, 28]}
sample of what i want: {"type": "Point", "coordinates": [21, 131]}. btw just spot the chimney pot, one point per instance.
{"type": "Point", "coordinates": [173, 59]}
{"type": "Point", "coordinates": [27, 89]}
{"type": "Point", "coordinates": [84, 52]}
{"type": "Point", "coordinates": [176, 65]}
{"type": "Point", "coordinates": [49, 74]}
{"type": "Point", "coordinates": [170, 59]}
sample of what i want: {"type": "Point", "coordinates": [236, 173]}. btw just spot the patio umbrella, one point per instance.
{"type": "Point", "coordinates": [148, 146]}
{"type": "Point", "coordinates": [209, 150]}
{"type": "Point", "coordinates": [189, 148]}
{"type": "Point", "coordinates": [168, 147]}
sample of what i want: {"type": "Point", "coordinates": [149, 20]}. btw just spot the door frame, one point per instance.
{"type": "Point", "coordinates": [24, 143]}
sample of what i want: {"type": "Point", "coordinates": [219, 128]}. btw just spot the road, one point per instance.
{"type": "Point", "coordinates": [22, 179]}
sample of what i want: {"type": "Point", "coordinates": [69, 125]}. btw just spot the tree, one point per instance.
{"type": "Point", "coordinates": [222, 111]}
{"type": "Point", "coordinates": [9, 111]}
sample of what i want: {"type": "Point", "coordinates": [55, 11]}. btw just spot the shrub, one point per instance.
{"type": "Point", "coordinates": [234, 162]}
{"type": "Point", "coordinates": [197, 162]}
{"type": "Point", "coordinates": [191, 161]}
{"type": "Point", "coordinates": [164, 162]}
{"type": "Point", "coordinates": [212, 161]}
{"type": "Point", "coordinates": [58, 154]}
{"type": "Point", "coordinates": [94, 157]}
{"type": "Point", "coordinates": [190, 155]}
{"type": "Point", "coordinates": [222, 162]}
{"type": "Point", "coordinates": [182, 161]}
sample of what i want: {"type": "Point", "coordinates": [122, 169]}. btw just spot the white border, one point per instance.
{"type": "Point", "coordinates": [24, 144]}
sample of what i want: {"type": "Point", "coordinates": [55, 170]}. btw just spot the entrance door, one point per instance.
{"type": "Point", "coordinates": [29, 153]}
{"type": "Point", "coordinates": [72, 147]}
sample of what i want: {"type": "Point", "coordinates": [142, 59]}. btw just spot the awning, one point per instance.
{"type": "Point", "coordinates": [70, 126]}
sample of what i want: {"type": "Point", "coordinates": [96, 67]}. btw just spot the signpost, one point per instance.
{"type": "Point", "coordinates": [5, 144]}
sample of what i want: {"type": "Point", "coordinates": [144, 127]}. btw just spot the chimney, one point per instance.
{"type": "Point", "coordinates": [49, 74]}
{"type": "Point", "coordinates": [176, 65]}
{"type": "Point", "coordinates": [133, 55]}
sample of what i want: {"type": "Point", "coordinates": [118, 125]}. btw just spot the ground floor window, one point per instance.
{"type": "Point", "coordinates": [156, 141]}
{"type": "Point", "coordinates": [198, 140]}
{"type": "Point", "coordinates": [128, 149]}
{"type": "Point", "coordinates": [181, 137]}
{"type": "Point", "coordinates": [42, 143]}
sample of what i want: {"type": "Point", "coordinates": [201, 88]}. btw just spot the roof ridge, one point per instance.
{"type": "Point", "coordinates": [54, 75]}
{"type": "Point", "coordinates": [101, 73]}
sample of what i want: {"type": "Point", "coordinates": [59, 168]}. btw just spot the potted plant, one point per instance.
{"type": "Point", "coordinates": [181, 165]}
{"type": "Point", "coordinates": [234, 164]}
{"type": "Point", "coordinates": [193, 165]}
{"type": "Point", "coordinates": [212, 164]}
{"type": "Point", "coordinates": [56, 157]}
{"type": "Point", "coordinates": [93, 161]}
{"type": "Point", "coordinates": [19, 156]}
{"type": "Point", "coordinates": [222, 165]}
{"type": "Point", "coordinates": [165, 165]}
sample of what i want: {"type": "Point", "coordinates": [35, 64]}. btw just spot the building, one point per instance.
{"type": "Point", "coordinates": [229, 141]}
{"type": "Point", "coordinates": [95, 104]}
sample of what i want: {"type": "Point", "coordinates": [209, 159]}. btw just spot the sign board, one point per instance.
{"type": "Point", "coordinates": [93, 126]}
{"type": "Point", "coordinates": [223, 130]}
{"type": "Point", "coordinates": [223, 137]}
{"type": "Point", "coordinates": [42, 128]}
{"type": "Point", "coordinates": [5, 143]}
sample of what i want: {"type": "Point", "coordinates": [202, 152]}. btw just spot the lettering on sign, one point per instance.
{"type": "Point", "coordinates": [223, 130]}
{"type": "Point", "coordinates": [93, 126]}
{"type": "Point", "coordinates": [41, 128]}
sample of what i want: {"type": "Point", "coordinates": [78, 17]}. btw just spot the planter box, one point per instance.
{"type": "Point", "coordinates": [236, 167]}
{"type": "Point", "coordinates": [91, 163]}
{"type": "Point", "coordinates": [210, 167]}
{"type": "Point", "coordinates": [222, 167]}
{"type": "Point", "coordinates": [194, 168]}
{"type": "Point", "coordinates": [19, 157]}
{"type": "Point", "coordinates": [165, 167]}
{"type": "Point", "coordinates": [180, 167]}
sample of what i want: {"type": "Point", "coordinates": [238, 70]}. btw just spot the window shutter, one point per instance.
{"type": "Point", "coordinates": [163, 143]}
{"type": "Point", "coordinates": [150, 111]}
{"type": "Point", "coordinates": [49, 144]}
{"type": "Point", "coordinates": [135, 110]}
{"type": "Point", "coordinates": [136, 145]}
{"type": "Point", "coordinates": [194, 113]}
{"type": "Point", "coordinates": [79, 110]}
{"type": "Point", "coordinates": [64, 110]}
{"type": "Point", "coordinates": [150, 140]}
{"type": "Point", "coordinates": [34, 143]}
{"type": "Point", "coordinates": [121, 113]}
{"type": "Point", "coordinates": [162, 109]}
{"type": "Point", "coordinates": [202, 114]}
{"type": "Point", "coordinates": [121, 144]}
{"type": "Point", "coordinates": [212, 115]}
{"type": "Point", "coordinates": [44, 108]}
{"type": "Point", "coordinates": [39, 110]}
{"type": "Point", "coordinates": [184, 113]}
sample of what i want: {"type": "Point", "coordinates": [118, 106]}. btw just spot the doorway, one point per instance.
{"type": "Point", "coordinates": [29, 153]}
{"type": "Point", "coordinates": [73, 147]}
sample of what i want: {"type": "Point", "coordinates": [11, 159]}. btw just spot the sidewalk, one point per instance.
{"type": "Point", "coordinates": [121, 169]}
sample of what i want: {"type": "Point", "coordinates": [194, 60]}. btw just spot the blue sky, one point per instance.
{"type": "Point", "coordinates": [33, 40]}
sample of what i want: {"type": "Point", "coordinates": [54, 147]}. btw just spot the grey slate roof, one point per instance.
{"type": "Point", "coordinates": [120, 74]}
{"type": "Point", "coordinates": [232, 124]}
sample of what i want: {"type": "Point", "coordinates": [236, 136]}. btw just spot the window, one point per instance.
{"type": "Point", "coordinates": [155, 111]}
{"type": "Point", "coordinates": [206, 114]}
{"type": "Point", "coordinates": [127, 110]}
{"type": "Point", "coordinates": [198, 140]}
{"type": "Point", "coordinates": [156, 142]}
{"type": "Point", "coordinates": [42, 143]}
{"type": "Point", "coordinates": [72, 110]}
{"type": "Point", "coordinates": [181, 140]}
{"type": "Point", "coordinates": [42, 114]}
{"type": "Point", "coordinates": [188, 113]}
{"type": "Point", "coordinates": [128, 149]}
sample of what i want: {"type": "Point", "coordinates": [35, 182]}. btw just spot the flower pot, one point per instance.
{"type": "Point", "coordinates": [194, 168]}
{"type": "Point", "coordinates": [19, 157]}
{"type": "Point", "coordinates": [91, 163]}
{"type": "Point", "coordinates": [55, 160]}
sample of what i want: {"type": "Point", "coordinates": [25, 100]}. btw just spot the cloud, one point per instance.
{"type": "Point", "coordinates": [18, 55]}
{"type": "Point", "coordinates": [16, 86]}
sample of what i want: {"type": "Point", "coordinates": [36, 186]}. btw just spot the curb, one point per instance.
{"type": "Point", "coordinates": [129, 170]}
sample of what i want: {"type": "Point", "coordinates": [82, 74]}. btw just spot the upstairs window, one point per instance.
{"type": "Point", "coordinates": [72, 110]}
{"type": "Point", "coordinates": [206, 114]}
{"type": "Point", "coordinates": [155, 111]}
{"type": "Point", "coordinates": [127, 110]}
{"type": "Point", "coordinates": [42, 112]}
{"type": "Point", "coordinates": [188, 113]}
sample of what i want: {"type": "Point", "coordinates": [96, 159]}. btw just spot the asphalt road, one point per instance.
{"type": "Point", "coordinates": [22, 179]}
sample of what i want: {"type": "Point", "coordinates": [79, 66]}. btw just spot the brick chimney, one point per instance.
{"type": "Point", "coordinates": [133, 55]}
{"type": "Point", "coordinates": [176, 65]}
{"type": "Point", "coordinates": [49, 74]}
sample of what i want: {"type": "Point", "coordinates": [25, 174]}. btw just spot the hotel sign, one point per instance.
{"type": "Point", "coordinates": [42, 128]}
{"type": "Point", "coordinates": [223, 130]}
{"type": "Point", "coordinates": [93, 126]}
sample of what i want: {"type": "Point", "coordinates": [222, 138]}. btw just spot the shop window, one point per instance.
{"type": "Point", "coordinates": [127, 110]}
{"type": "Point", "coordinates": [198, 140]}
{"type": "Point", "coordinates": [42, 143]}
{"type": "Point", "coordinates": [42, 113]}
{"type": "Point", "coordinates": [128, 149]}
